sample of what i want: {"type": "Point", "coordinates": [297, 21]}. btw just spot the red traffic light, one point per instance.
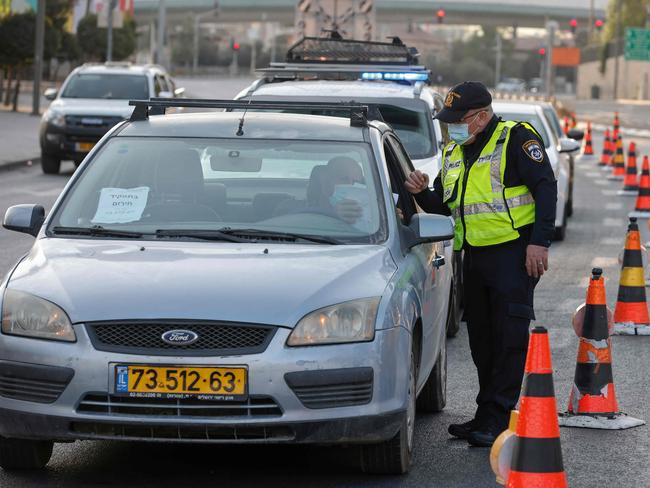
{"type": "Point", "coordinates": [599, 23]}
{"type": "Point", "coordinates": [541, 51]}
{"type": "Point", "coordinates": [235, 46]}
{"type": "Point", "coordinates": [573, 23]}
{"type": "Point", "coordinates": [441, 15]}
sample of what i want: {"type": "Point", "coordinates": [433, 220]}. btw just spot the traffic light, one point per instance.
{"type": "Point", "coordinates": [235, 46]}
{"type": "Point", "coordinates": [542, 52]}
{"type": "Point", "coordinates": [440, 14]}
{"type": "Point", "coordinates": [599, 24]}
{"type": "Point", "coordinates": [573, 23]}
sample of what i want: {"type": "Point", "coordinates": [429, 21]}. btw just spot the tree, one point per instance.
{"type": "Point", "coordinates": [16, 48]}
{"type": "Point", "coordinates": [634, 13]}
{"type": "Point", "coordinates": [92, 39]}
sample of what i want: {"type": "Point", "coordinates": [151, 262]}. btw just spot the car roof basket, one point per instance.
{"type": "Point", "coordinates": [337, 50]}
{"type": "Point", "coordinates": [157, 106]}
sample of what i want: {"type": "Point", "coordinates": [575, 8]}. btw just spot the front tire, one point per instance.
{"type": "Point", "coordinates": [17, 454]}
{"type": "Point", "coordinates": [433, 396]}
{"type": "Point", "coordinates": [453, 314]}
{"type": "Point", "coordinates": [50, 164]}
{"type": "Point", "coordinates": [560, 232]}
{"type": "Point", "coordinates": [394, 455]}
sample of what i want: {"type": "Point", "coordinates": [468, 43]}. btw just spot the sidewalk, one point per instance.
{"type": "Point", "coordinates": [18, 137]}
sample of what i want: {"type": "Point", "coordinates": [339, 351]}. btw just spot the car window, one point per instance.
{"type": "Point", "coordinates": [532, 119]}
{"type": "Point", "coordinates": [398, 168]}
{"type": "Point", "coordinates": [553, 121]}
{"type": "Point", "coordinates": [160, 84]}
{"type": "Point", "coordinates": [107, 86]}
{"type": "Point", "coordinates": [147, 184]}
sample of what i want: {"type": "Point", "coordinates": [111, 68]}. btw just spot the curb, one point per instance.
{"type": "Point", "coordinates": [23, 162]}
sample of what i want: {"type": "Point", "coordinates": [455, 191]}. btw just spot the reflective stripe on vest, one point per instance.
{"type": "Point", "coordinates": [492, 212]}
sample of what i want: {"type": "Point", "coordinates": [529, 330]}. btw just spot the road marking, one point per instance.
{"type": "Point", "coordinates": [611, 241]}
{"type": "Point", "coordinates": [570, 304]}
{"type": "Point", "coordinates": [601, 182]}
{"type": "Point", "coordinates": [604, 262]}
{"type": "Point", "coordinates": [608, 193]}
{"type": "Point", "coordinates": [614, 206]}
{"type": "Point", "coordinates": [593, 174]}
{"type": "Point", "coordinates": [584, 282]}
{"type": "Point", "coordinates": [607, 222]}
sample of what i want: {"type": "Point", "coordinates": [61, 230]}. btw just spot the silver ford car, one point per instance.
{"type": "Point", "coordinates": [228, 277]}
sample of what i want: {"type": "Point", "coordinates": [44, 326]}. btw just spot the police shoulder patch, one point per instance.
{"type": "Point", "coordinates": [534, 151]}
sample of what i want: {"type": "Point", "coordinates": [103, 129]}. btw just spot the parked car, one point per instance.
{"type": "Point", "coordinates": [92, 99]}
{"type": "Point", "coordinates": [228, 278]}
{"type": "Point", "coordinates": [341, 70]}
{"type": "Point", "coordinates": [513, 85]}
{"type": "Point", "coordinates": [555, 148]}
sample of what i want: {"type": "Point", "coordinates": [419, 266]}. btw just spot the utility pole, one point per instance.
{"type": "Point", "coordinates": [109, 31]}
{"type": "Point", "coordinates": [38, 57]}
{"type": "Point", "coordinates": [195, 45]}
{"type": "Point", "coordinates": [591, 21]}
{"type": "Point", "coordinates": [162, 20]}
{"type": "Point", "coordinates": [551, 27]}
{"type": "Point", "coordinates": [497, 70]}
{"type": "Point", "coordinates": [617, 44]}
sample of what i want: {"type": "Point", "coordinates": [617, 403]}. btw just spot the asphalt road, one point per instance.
{"type": "Point", "coordinates": [602, 458]}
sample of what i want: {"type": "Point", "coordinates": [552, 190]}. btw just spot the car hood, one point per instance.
{"type": "Point", "coordinates": [92, 106]}
{"type": "Point", "coordinates": [255, 283]}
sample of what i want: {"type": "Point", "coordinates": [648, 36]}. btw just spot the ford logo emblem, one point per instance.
{"type": "Point", "coordinates": [180, 337]}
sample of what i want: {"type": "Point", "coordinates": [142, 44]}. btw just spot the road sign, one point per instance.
{"type": "Point", "coordinates": [637, 44]}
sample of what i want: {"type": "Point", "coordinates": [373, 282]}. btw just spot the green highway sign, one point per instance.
{"type": "Point", "coordinates": [637, 44]}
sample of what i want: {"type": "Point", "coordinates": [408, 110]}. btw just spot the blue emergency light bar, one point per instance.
{"type": "Point", "coordinates": [395, 76]}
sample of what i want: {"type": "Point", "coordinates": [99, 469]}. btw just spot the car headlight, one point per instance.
{"type": "Point", "coordinates": [28, 315]}
{"type": "Point", "coordinates": [55, 118]}
{"type": "Point", "coordinates": [345, 322]}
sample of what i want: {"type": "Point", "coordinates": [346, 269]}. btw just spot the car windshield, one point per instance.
{"type": "Point", "coordinates": [533, 120]}
{"type": "Point", "coordinates": [148, 185]}
{"type": "Point", "coordinates": [108, 86]}
{"type": "Point", "coordinates": [551, 116]}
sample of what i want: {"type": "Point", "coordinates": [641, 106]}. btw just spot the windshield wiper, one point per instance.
{"type": "Point", "coordinates": [270, 234]}
{"type": "Point", "coordinates": [96, 230]}
{"type": "Point", "coordinates": [207, 234]}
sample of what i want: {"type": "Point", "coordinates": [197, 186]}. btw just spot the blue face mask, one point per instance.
{"type": "Point", "coordinates": [459, 133]}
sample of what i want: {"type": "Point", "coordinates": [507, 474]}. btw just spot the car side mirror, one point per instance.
{"type": "Point", "coordinates": [165, 94]}
{"type": "Point", "coordinates": [24, 218]}
{"type": "Point", "coordinates": [431, 228]}
{"type": "Point", "coordinates": [576, 134]}
{"type": "Point", "coordinates": [568, 145]}
{"type": "Point", "coordinates": [50, 93]}
{"type": "Point", "coordinates": [179, 91]}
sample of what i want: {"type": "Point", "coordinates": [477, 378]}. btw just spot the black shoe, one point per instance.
{"type": "Point", "coordinates": [462, 431]}
{"type": "Point", "coordinates": [483, 436]}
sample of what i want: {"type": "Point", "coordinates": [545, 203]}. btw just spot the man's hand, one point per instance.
{"type": "Point", "coordinates": [536, 260]}
{"type": "Point", "coordinates": [349, 210]}
{"type": "Point", "coordinates": [416, 182]}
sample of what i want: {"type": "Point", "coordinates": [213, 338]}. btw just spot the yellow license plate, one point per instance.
{"type": "Point", "coordinates": [85, 146]}
{"type": "Point", "coordinates": [220, 383]}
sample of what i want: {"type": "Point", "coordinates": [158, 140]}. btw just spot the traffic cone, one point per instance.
{"type": "Point", "coordinates": [566, 125]}
{"type": "Point", "coordinates": [501, 450]}
{"type": "Point", "coordinates": [617, 123]}
{"type": "Point", "coordinates": [618, 171]}
{"type": "Point", "coordinates": [630, 183]}
{"type": "Point", "coordinates": [606, 156]}
{"type": "Point", "coordinates": [592, 402]}
{"type": "Point", "coordinates": [631, 310]}
{"type": "Point", "coordinates": [642, 207]}
{"type": "Point", "coordinates": [588, 150]}
{"type": "Point", "coordinates": [536, 452]}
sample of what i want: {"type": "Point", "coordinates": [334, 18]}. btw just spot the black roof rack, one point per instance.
{"type": "Point", "coordinates": [157, 106]}
{"type": "Point", "coordinates": [345, 51]}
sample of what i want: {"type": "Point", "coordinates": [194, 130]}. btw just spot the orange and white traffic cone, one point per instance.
{"type": "Point", "coordinates": [631, 312]}
{"type": "Point", "coordinates": [606, 155]}
{"type": "Point", "coordinates": [642, 207]}
{"type": "Point", "coordinates": [588, 149]}
{"type": "Point", "coordinates": [618, 171]}
{"type": "Point", "coordinates": [565, 129]}
{"type": "Point", "coordinates": [592, 402]}
{"type": "Point", "coordinates": [630, 181]}
{"type": "Point", "coordinates": [536, 451]}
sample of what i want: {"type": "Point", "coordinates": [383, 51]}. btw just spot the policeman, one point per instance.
{"type": "Point", "coordinates": [498, 185]}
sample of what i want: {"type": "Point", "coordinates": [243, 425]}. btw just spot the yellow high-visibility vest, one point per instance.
{"type": "Point", "coordinates": [492, 212]}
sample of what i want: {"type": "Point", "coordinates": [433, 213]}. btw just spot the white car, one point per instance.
{"type": "Point", "coordinates": [92, 99]}
{"type": "Point", "coordinates": [555, 148]}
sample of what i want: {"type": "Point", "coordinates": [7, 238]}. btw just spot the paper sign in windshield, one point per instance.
{"type": "Point", "coordinates": [359, 194]}
{"type": "Point", "coordinates": [121, 205]}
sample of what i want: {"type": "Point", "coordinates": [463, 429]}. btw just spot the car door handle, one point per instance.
{"type": "Point", "coordinates": [438, 261]}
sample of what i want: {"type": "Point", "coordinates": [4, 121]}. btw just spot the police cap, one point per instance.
{"type": "Point", "coordinates": [463, 98]}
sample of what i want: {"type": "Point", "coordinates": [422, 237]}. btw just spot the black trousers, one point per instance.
{"type": "Point", "coordinates": [499, 308]}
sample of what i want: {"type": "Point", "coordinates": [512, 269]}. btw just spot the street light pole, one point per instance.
{"type": "Point", "coordinates": [497, 70]}
{"type": "Point", "coordinates": [162, 20]}
{"type": "Point", "coordinates": [617, 45]}
{"type": "Point", "coordinates": [109, 31]}
{"type": "Point", "coordinates": [38, 57]}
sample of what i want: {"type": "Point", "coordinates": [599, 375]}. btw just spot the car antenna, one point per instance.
{"type": "Point", "coordinates": [240, 129]}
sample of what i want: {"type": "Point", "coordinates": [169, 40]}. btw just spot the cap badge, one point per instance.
{"type": "Point", "coordinates": [449, 99]}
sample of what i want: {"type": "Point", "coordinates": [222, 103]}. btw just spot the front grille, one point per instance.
{"type": "Point", "coordinates": [113, 405]}
{"type": "Point", "coordinates": [332, 388]}
{"type": "Point", "coordinates": [94, 122]}
{"type": "Point", "coordinates": [145, 337]}
{"type": "Point", "coordinates": [32, 382]}
{"type": "Point", "coordinates": [194, 433]}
